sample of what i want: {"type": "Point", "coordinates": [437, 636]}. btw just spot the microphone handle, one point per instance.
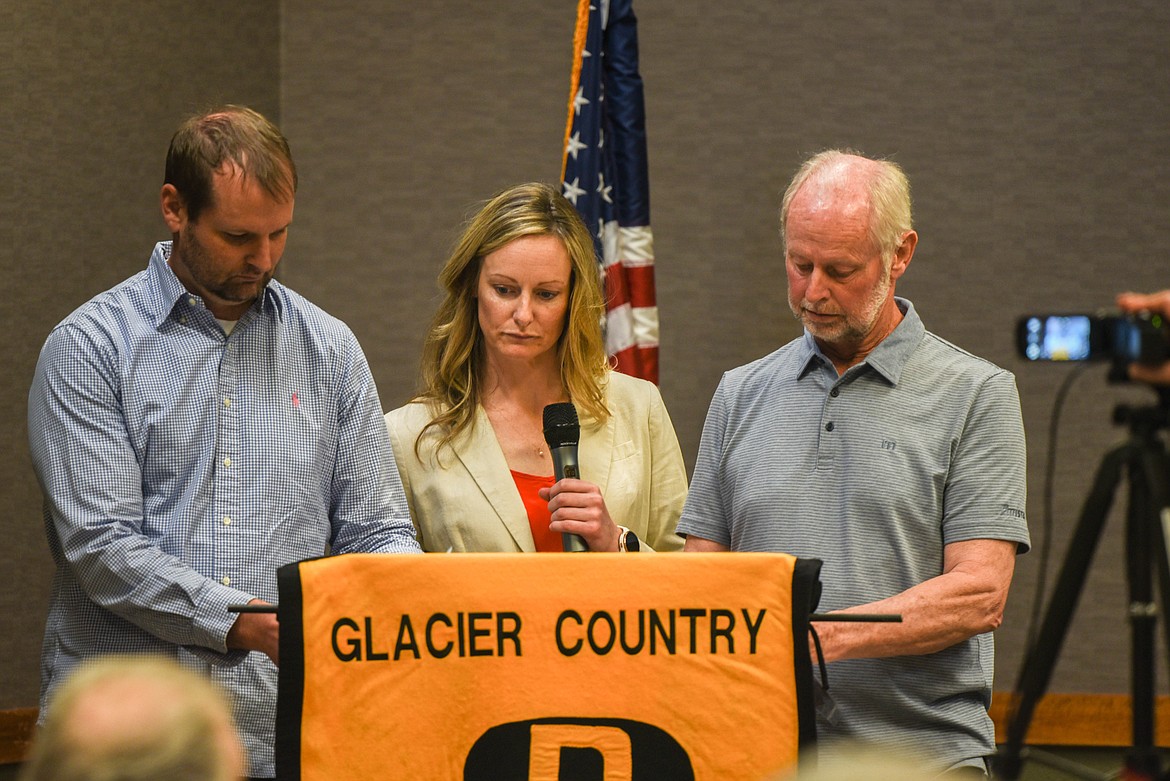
{"type": "Point", "coordinates": [565, 465]}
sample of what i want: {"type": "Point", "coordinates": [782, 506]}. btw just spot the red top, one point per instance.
{"type": "Point", "coordinates": [538, 515]}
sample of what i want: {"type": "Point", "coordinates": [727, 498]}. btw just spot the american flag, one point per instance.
{"type": "Point", "coordinates": [605, 174]}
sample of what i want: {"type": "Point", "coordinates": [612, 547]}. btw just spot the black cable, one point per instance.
{"type": "Point", "coordinates": [1046, 520]}
{"type": "Point", "coordinates": [820, 657]}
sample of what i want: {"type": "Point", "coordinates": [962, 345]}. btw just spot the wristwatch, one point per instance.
{"type": "Point", "coordinates": [628, 541]}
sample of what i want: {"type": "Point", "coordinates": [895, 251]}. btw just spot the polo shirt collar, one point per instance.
{"type": "Point", "coordinates": [887, 359]}
{"type": "Point", "coordinates": [890, 357]}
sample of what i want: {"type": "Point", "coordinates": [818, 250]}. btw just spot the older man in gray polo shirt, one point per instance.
{"type": "Point", "coordinates": [888, 453]}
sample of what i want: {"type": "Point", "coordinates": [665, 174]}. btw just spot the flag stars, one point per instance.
{"type": "Point", "coordinates": [573, 190]}
{"type": "Point", "coordinates": [579, 101]}
{"type": "Point", "coordinates": [575, 145]}
{"type": "Point", "coordinates": [603, 188]}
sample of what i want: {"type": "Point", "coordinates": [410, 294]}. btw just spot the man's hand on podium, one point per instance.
{"type": "Point", "coordinates": [256, 632]}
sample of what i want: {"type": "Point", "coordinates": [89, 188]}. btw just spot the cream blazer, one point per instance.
{"type": "Point", "coordinates": [466, 499]}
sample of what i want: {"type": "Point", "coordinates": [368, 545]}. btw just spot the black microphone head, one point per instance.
{"type": "Point", "coordinates": [561, 426]}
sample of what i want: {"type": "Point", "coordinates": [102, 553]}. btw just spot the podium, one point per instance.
{"type": "Point", "coordinates": [545, 667]}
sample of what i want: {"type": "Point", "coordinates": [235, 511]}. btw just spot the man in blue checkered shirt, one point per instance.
{"type": "Point", "coordinates": [198, 426]}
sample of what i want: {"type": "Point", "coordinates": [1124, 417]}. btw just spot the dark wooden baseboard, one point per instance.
{"type": "Point", "coordinates": [1081, 720]}
{"type": "Point", "coordinates": [1060, 720]}
{"type": "Point", "coordinates": [16, 731]}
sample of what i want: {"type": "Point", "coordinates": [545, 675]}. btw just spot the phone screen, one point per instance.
{"type": "Point", "coordinates": [1057, 337]}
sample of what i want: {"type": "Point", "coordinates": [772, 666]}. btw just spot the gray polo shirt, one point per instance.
{"type": "Point", "coordinates": [873, 472]}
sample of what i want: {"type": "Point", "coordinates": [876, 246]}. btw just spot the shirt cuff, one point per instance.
{"type": "Point", "coordinates": [213, 621]}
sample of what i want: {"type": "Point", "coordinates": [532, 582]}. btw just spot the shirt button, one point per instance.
{"type": "Point", "coordinates": [227, 521]}
{"type": "Point", "coordinates": [228, 461]}
{"type": "Point", "coordinates": [225, 580]}
{"type": "Point", "coordinates": [829, 426]}
{"type": "Point", "coordinates": [835, 392]}
{"type": "Point", "coordinates": [183, 319]}
{"type": "Point", "coordinates": [227, 402]}
{"type": "Point", "coordinates": [192, 301]}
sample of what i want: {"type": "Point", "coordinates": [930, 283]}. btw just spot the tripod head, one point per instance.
{"type": "Point", "coordinates": [1145, 422]}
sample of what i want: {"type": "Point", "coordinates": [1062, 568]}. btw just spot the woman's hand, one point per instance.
{"type": "Point", "coordinates": [578, 507]}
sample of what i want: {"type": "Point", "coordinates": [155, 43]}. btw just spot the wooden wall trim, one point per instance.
{"type": "Point", "coordinates": [16, 731]}
{"type": "Point", "coordinates": [1081, 720]}
{"type": "Point", "coordinates": [1060, 720]}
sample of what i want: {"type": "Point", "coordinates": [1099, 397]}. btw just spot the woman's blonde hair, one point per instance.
{"type": "Point", "coordinates": [453, 354]}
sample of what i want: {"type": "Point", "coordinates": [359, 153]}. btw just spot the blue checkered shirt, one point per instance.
{"type": "Point", "coordinates": [182, 466]}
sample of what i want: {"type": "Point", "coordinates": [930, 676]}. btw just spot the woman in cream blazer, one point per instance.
{"type": "Point", "coordinates": [518, 330]}
{"type": "Point", "coordinates": [468, 502]}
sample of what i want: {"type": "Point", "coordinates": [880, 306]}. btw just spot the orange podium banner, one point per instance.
{"type": "Point", "coordinates": [542, 667]}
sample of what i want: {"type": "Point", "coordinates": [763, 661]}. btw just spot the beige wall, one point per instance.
{"type": "Point", "coordinates": [1034, 134]}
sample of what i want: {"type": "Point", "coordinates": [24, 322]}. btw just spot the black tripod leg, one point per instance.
{"type": "Point", "coordinates": [1157, 468]}
{"type": "Point", "coordinates": [1141, 530]}
{"type": "Point", "coordinates": [1157, 471]}
{"type": "Point", "coordinates": [1147, 556]}
{"type": "Point", "coordinates": [1038, 665]}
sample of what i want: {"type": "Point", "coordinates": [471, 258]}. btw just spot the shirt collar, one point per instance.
{"type": "Point", "coordinates": [166, 290]}
{"type": "Point", "coordinates": [887, 359]}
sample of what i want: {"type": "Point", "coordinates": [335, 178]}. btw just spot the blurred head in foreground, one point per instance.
{"type": "Point", "coordinates": [134, 718]}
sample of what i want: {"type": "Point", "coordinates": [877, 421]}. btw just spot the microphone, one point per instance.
{"type": "Point", "coordinates": [562, 431]}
